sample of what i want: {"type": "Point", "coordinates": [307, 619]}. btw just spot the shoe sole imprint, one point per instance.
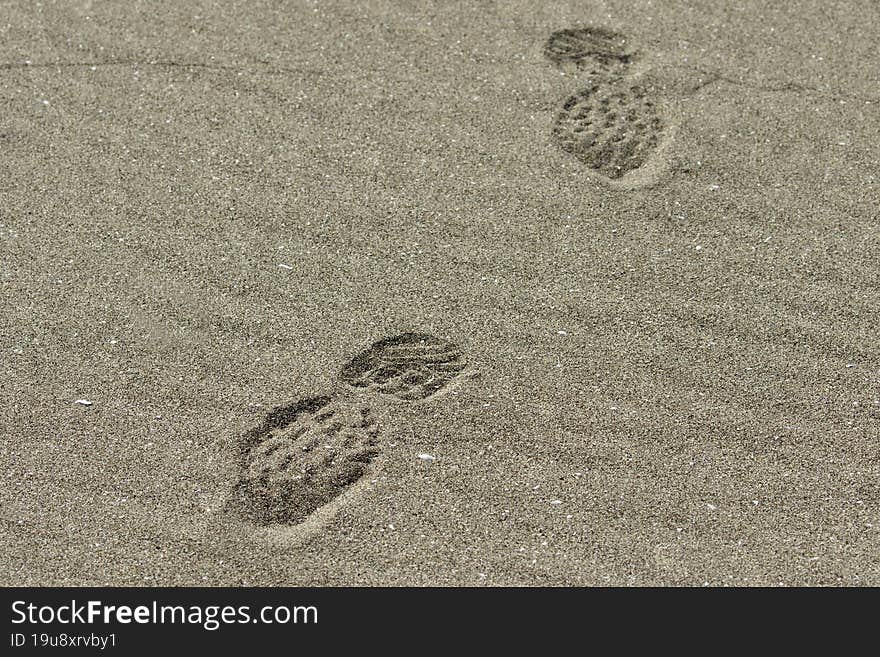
{"type": "Point", "coordinates": [410, 366]}
{"type": "Point", "coordinates": [595, 49]}
{"type": "Point", "coordinates": [611, 128]}
{"type": "Point", "coordinates": [307, 457]}
{"type": "Point", "coordinates": [302, 457]}
{"type": "Point", "coordinates": [612, 125]}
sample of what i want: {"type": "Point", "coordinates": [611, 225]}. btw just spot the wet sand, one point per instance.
{"type": "Point", "coordinates": [672, 378]}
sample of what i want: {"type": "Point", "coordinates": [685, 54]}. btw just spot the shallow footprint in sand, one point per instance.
{"type": "Point", "coordinates": [611, 125]}
{"type": "Point", "coordinates": [613, 129]}
{"type": "Point", "coordinates": [593, 49]}
{"type": "Point", "coordinates": [310, 452]}
{"type": "Point", "coordinates": [410, 366]}
{"type": "Point", "coordinates": [302, 457]}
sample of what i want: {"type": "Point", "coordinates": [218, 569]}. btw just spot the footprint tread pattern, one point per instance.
{"type": "Point", "coordinates": [611, 125]}
{"type": "Point", "coordinates": [411, 366]}
{"type": "Point", "coordinates": [304, 455]}
{"type": "Point", "coordinates": [589, 47]}
{"type": "Point", "coordinates": [613, 129]}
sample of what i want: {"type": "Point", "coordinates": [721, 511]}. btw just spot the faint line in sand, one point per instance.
{"type": "Point", "coordinates": [160, 63]}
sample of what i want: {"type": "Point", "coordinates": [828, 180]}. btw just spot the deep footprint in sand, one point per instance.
{"type": "Point", "coordinates": [613, 129]}
{"type": "Point", "coordinates": [302, 457]}
{"type": "Point", "coordinates": [411, 366]}
{"type": "Point", "coordinates": [611, 125]}
{"type": "Point", "coordinates": [594, 49]}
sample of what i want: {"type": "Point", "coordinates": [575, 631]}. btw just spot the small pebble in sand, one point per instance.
{"type": "Point", "coordinates": [283, 266]}
{"type": "Point", "coordinates": [427, 457]}
{"type": "Point", "coordinates": [83, 402]}
{"type": "Point", "coordinates": [711, 507]}
{"type": "Point", "coordinates": [555, 502]}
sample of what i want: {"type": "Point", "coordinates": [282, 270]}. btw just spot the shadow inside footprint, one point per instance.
{"type": "Point", "coordinates": [304, 455]}
{"type": "Point", "coordinates": [410, 366]}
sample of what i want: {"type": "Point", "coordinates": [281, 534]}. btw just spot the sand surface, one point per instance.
{"type": "Point", "coordinates": [207, 209]}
